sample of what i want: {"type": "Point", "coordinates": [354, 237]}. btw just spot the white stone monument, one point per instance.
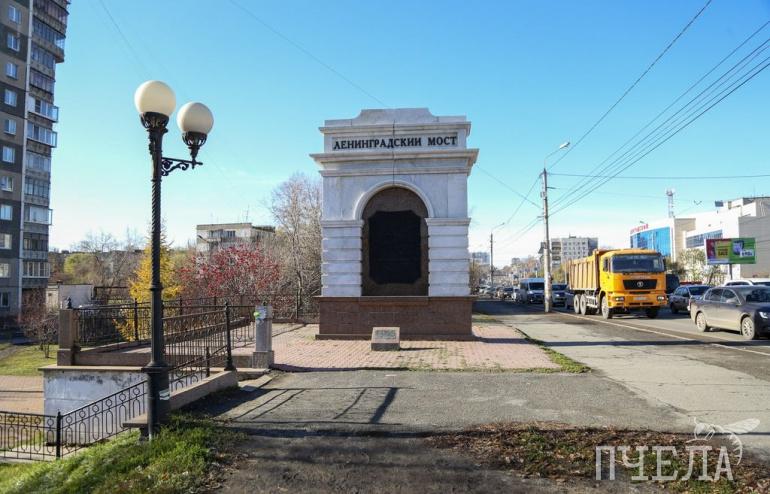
{"type": "Point", "coordinates": [395, 225]}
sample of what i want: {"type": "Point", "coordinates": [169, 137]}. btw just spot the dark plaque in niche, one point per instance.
{"type": "Point", "coordinates": [394, 247]}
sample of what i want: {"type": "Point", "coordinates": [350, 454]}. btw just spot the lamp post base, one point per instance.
{"type": "Point", "coordinates": [158, 397]}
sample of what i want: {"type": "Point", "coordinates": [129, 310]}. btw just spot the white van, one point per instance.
{"type": "Point", "coordinates": [532, 290]}
{"type": "Point", "coordinates": [749, 281]}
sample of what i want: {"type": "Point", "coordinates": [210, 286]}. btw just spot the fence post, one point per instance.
{"type": "Point", "coordinates": [136, 320]}
{"type": "Point", "coordinates": [208, 362]}
{"type": "Point", "coordinates": [58, 434]}
{"type": "Point", "coordinates": [229, 366]}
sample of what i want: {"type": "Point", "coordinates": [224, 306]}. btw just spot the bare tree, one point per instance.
{"type": "Point", "coordinates": [296, 208]}
{"type": "Point", "coordinates": [39, 324]}
{"type": "Point", "coordinates": [103, 260]}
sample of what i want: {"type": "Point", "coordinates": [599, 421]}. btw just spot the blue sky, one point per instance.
{"type": "Point", "coordinates": [529, 75]}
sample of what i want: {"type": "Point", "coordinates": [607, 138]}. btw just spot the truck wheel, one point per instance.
{"type": "Point", "coordinates": [576, 304]}
{"type": "Point", "coordinates": [606, 310]}
{"type": "Point", "coordinates": [652, 313]}
{"type": "Point", "coordinates": [583, 305]}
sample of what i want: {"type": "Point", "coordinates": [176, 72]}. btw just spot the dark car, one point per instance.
{"type": "Point", "coordinates": [558, 291]}
{"type": "Point", "coordinates": [742, 308]}
{"type": "Point", "coordinates": [672, 283]}
{"type": "Point", "coordinates": [507, 293]}
{"type": "Point", "coordinates": [680, 299]}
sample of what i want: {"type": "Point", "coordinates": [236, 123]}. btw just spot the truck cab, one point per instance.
{"type": "Point", "coordinates": [631, 279]}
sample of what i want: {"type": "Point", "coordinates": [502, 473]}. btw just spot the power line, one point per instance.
{"type": "Point", "coordinates": [307, 52]}
{"type": "Point", "coordinates": [633, 85]}
{"type": "Point", "coordinates": [598, 169]}
{"type": "Point", "coordinates": [759, 68]}
{"type": "Point", "coordinates": [681, 177]}
{"type": "Point", "coordinates": [523, 197]}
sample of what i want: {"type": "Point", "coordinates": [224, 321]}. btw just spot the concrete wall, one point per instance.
{"type": "Point", "coordinates": [69, 388]}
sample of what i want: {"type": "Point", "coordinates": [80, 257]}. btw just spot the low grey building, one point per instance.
{"type": "Point", "coordinates": [215, 236]}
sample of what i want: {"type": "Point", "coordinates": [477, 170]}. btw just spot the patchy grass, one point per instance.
{"type": "Point", "coordinates": [26, 360]}
{"type": "Point", "coordinates": [565, 453]}
{"type": "Point", "coordinates": [187, 456]}
{"type": "Point", "coordinates": [565, 363]}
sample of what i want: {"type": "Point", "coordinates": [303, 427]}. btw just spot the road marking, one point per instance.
{"type": "Point", "coordinates": [666, 334]}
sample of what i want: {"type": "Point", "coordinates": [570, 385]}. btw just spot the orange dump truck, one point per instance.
{"type": "Point", "coordinates": [618, 281]}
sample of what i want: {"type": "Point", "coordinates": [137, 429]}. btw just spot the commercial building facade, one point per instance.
{"type": "Point", "coordinates": [742, 217]}
{"type": "Point", "coordinates": [31, 45]}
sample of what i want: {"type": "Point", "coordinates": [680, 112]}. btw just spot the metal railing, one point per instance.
{"type": "Point", "coordinates": [194, 343]}
{"type": "Point", "coordinates": [117, 324]}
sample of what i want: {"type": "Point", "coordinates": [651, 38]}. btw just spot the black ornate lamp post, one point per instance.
{"type": "Point", "coordinates": [155, 102]}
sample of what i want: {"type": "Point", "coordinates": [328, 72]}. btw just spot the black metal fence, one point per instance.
{"type": "Point", "coordinates": [197, 339]}
{"type": "Point", "coordinates": [130, 322]}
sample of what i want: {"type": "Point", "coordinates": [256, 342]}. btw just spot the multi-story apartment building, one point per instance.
{"type": "Point", "coordinates": [222, 235]}
{"type": "Point", "coordinates": [31, 44]}
{"type": "Point", "coordinates": [568, 248]}
{"type": "Point", "coordinates": [480, 257]}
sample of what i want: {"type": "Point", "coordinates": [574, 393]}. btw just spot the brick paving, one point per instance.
{"type": "Point", "coordinates": [21, 394]}
{"type": "Point", "coordinates": [497, 348]}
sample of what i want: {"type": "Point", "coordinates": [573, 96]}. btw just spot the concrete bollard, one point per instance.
{"type": "Point", "coordinates": [263, 355]}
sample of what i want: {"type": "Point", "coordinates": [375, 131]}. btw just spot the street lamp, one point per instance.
{"type": "Point", "coordinates": [155, 102]}
{"type": "Point", "coordinates": [547, 242]}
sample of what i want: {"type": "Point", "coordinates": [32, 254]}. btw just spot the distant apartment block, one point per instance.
{"type": "Point", "coordinates": [31, 45]}
{"type": "Point", "coordinates": [480, 257]}
{"type": "Point", "coordinates": [569, 248]}
{"type": "Point", "coordinates": [216, 236]}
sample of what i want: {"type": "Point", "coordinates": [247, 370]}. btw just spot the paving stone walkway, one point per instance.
{"type": "Point", "coordinates": [21, 394]}
{"type": "Point", "coordinates": [497, 348]}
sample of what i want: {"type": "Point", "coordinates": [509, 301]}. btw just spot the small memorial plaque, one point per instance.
{"type": "Point", "coordinates": [386, 338]}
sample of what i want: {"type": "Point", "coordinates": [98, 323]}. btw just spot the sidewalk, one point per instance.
{"type": "Point", "coordinates": [497, 348]}
{"type": "Point", "coordinates": [21, 394]}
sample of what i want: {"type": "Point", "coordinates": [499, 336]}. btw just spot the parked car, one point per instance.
{"type": "Point", "coordinates": [507, 293]}
{"type": "Point", "coordinates": [533, 290]}
{"type": "Point", "coordinates": [742, 308]}
{"type": "Point", "coordinates": [749, 281]}
{"type": "Point", "coordinates": [558, 294]}
{"type": "Point", "coordinates": [682, 296]}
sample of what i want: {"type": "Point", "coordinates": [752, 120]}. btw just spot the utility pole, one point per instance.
{"type": "Point", "coordinates": [546, 246]}
{"type": "Point", "coordinates": [547, 300]}
{"type": "Point", "coordinates": [491, 260]}
{"type": "Point", "coordinates": [670, 194]}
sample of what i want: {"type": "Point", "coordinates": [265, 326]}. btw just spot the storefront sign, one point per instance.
{"type": "Point", "coordinates": [730, 251]}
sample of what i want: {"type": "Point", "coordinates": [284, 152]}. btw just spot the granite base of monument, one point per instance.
{"type": "Point", "coordinates": [419, 318]}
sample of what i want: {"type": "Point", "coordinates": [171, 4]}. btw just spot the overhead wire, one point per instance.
{"type": "Point", "coordinates": [601, 167]}
{"type": "Point", "coordinates": [632, 86]}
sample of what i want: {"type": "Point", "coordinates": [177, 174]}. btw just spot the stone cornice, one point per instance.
{"type": "Point", "coordinates": [401, 129]}
{"type": "Point", "coordinates": [358, 156]}
{"type": "Point", "coordinates": [448, 221]}
{"type": "Point", "coordinates": [342, 172]}
{"type": "Point", "coordinates": [342, 223]}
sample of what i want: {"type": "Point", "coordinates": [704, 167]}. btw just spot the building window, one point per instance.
{"type": "Point", "coordinates": [35, 214]}
{"type": "Point", "coordinates": [36, 187]}
{"type": "Point", "coordinates": [6, 183]}
{"type": "Point", "coordinates": [41, 134]}
{"type": "Point", "coordinates": [12, 70]}
{"type": "Point", "coordinates": [14, 42]}
{"type": "Point", "coordinates": [5, 270]}
{"type": "Point", "coordinates": [44, 108]}
{"type": "Point", "coordinates": [9, 154]}
{"type": "Point", "coordinates": [38, 162]}
{"type": "Point", "coordinates": [35, 242]}
{"type": "Point", "coordinates": [43, 56]}
{"type": "Point", "coordinates": [5, 299]}
{"type": "Point", "coordinates": [42, 81]}
{"type": "Point", "coordinates": [9, 97]}
{"type": "Point", "coordinates": [14, 14]}
{"type": "Point", "coordinates": [50, 8]}
{"type": "Point", "coordinates": [6, 212]}
{"type": "Point", "coordinates": [46, 32]}
{"type": "Point", "coordinates": [10, 126]}
{"type": "Point", "coordinates": [36, 269]}
{"type": "Point", "coordinates": [5, 241]}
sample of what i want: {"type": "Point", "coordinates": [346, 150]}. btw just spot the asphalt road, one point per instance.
{"type": "Point", "coordinates": [714, 377]}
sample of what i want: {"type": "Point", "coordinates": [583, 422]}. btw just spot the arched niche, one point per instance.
{"type": "Point", "coordinates": [394, 244]}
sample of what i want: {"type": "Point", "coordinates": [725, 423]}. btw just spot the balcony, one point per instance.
{"type": "Point", "coordinates": [43, 108]}
{"type": "Point", "coordinates": [37, 215]}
